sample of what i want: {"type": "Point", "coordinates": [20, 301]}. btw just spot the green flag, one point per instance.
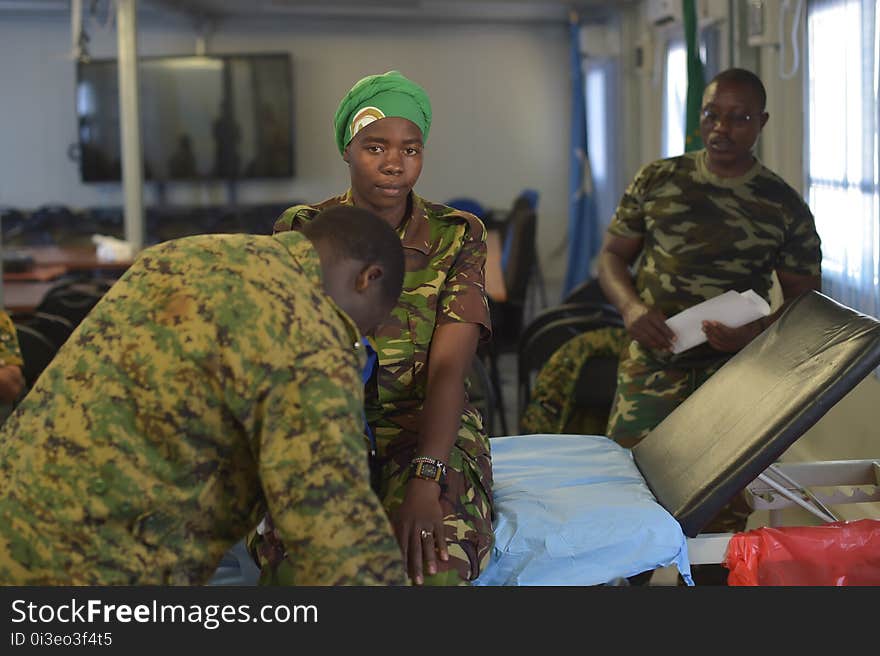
{"type": "Point", "coordinates": [696, 83]}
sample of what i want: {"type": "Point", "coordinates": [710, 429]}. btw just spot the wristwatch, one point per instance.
{"type": "Point", "coordinates": [429, 469]}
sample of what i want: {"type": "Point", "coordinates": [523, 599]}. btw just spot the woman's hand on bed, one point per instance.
{"type": "Point", "coordinates": [418, 526]}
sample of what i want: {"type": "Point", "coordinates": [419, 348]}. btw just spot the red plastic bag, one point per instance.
{"type": "Point", "coordinates": [840, 553]}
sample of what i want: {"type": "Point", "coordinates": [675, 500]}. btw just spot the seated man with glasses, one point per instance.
{"type": "Point", "coordinates": [702, 223]}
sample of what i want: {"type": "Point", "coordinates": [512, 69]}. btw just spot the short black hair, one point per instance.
{"type": "Point", "coordinates": [745, 78]}
{"type": "Point", "coordinates": [361, 235]}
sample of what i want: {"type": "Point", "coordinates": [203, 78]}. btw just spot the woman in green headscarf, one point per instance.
{"type": "Point", "coordinates": [432, 467]}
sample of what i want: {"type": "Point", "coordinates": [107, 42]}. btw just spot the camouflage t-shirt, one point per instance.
{"type": "Point", "coordinates": [704, 235]}
{"type": "Point", "coordinates": [445, 253]}
{"type": "Point", "coordinates": [215, 380]}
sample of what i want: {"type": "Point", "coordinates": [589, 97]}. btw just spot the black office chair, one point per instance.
{"type": "Point", "coordinates": [108, 221]}
{"type": "Point", "coordinates": [568, 376]}
{"type": "Point", "coordinates": [54, 224]}
{"type": "Point", "coordinates": [55, 327]}
{"type": "Point", "coordinates": [37, 351]}
{"type": "Point", "coordinates": [466, 204]}
{"type": "Point", "coordinates": [508, 316]}
{"type": "Point", "coordinates": [74, 299]}
{"type": "Point", "coordinates": [479, 391]}
{"type": "Point", "coordinates": [599, 310]}
{"type": "Point", "coordinates": [537, 348]}
{"type": "Point", "coordinates": [12, 222]}
{"type": "Point", "coordinates": [588, 291]}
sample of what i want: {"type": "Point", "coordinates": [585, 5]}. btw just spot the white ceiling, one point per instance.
{"type": "Point", "coordinates": [431, 10]}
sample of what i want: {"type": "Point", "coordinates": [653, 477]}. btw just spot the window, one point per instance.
{"type": "Point", "coordinates": [600, 75]}
{"type": "Point", "coordinates": [842, 168]}
{"type": "Point", "coordinates": [674, 98]}
{"type": "Point", "coordinates": [675, 84]}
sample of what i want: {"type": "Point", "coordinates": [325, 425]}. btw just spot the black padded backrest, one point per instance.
{"type": "Point", "coordinates": [55, 327]}
{"type": "Point", "coordinates": [762, 400]}
{"type": "Point", "coordinates": [521, 227]}
{"type": "Point", "coordinates": [587, 291]}
{"type": "Point", "coordinates": [37, 351]}
{"type": "Point", "coordinates": [603, 312]}
{"type": "Point", "coordinates": [479, 391]}
{"type": "Point", "coordinates": [538, 346]}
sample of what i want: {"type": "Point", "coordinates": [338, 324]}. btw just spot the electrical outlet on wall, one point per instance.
{"type": "Point", "coordinates": [763, 22]}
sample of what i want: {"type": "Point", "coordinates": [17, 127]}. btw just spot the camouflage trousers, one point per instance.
{"type": "Point", "coordinates": [648, 389]}
{"type": "Point", "coordinates": [467, 510]}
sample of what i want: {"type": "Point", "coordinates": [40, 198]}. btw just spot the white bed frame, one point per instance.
{"type": "Point", "coordinates": [785, 485]}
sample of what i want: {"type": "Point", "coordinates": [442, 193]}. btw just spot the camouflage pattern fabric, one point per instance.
{"type": "Point", "coordinates": [214, 380]}
{"type": "Point", "coordinates": [703, 235]}
{"type": "Point", "coordinates": [10, 353]}
{"type": "Point", "coordinates": [445, 253]}
{"type": "Point", "coordinates": [551, 408]}
{"type": "Point", "coordinates": [648, 389]}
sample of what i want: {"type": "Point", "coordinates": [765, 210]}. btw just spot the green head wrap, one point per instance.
{"type": "Point", "coordinates": [381, 96]}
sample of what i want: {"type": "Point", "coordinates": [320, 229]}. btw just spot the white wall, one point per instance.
{"type": "Point", "coordinates": [500, 98]}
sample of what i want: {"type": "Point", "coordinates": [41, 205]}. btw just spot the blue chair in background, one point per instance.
{"type": "Point", "coordinates": [468, 205]}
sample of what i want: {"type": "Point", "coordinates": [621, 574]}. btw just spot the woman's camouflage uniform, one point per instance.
{"type": "Point", "coordinates": [445, 258]}
{"type": "Point", "coordinates": [10, 353]}
{"type": "Point", "coordinates": [215, 379]}
{"type": "Point", "coordinates": [703, 235]}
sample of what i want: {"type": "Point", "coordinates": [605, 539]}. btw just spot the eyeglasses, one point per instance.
{"type": "Point", "coordinates": [734, 120]}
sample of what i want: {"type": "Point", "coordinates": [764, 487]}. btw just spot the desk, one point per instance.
{"type": "Point", "coordinates": [24, 296]}
{"type": "Point", "coordinates": [81, 258]}
{"type": "Point", "coordinates": [38, 273]}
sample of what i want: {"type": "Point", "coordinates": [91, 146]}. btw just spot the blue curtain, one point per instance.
{"type": "Point", "coordinates": [583, 227]}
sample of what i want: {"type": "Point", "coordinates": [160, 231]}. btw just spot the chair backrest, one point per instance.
{"type": "Point", "coordinates": [55, 327]}
{"type": "Point", "coordinates": [73, 300]}
{"type": "Point", "coordinates": [479, 389]}
{"type": "Point", "coordinates": [542, 343]}
{"type": "Point", "coordinates": [11, 222]}
{"type": "Point", "coordinates": [601, 311]}
{"type": "Point", "coordinates": [750, 411]}
{"type": "Point", "coordinates": [574, 387]}
{"type": "Point", "coordinates": [37, 351]}
{"type": "Point", "coordinates": [588, 291]}
{"type": "Point", "coordinates": [519, 250]}
{"type": "Point", "coordinates": [468, 205]}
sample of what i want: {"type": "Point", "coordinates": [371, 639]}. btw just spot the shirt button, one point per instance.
{"type": "Point", "coordinates": [357, 345]}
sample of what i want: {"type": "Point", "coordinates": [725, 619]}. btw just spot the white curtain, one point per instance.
{"type": "Point", "coordinates": [842, 144]}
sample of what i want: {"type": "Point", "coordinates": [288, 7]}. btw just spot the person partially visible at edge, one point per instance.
{"type": "Point", "coordinates": [432, 466]}
{"type": "Point", "coordinates": [703, 223]}
{"type": "Point", "coordinates": [11, 377]}
{"type": "Point", "coordinates": [219, 377]}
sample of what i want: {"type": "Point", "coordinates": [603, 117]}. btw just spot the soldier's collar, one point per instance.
{"type": "Point", "coordinates": [416, 231]}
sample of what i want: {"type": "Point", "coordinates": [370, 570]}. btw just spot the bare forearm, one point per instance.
{"type": "Point", "coordinates": [616, 281]}
{"type": "Point", "coordinates": [441, 413]}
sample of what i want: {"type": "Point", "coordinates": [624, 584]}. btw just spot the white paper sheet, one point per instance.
{"type": "Point", "coordinates": [731, 308]}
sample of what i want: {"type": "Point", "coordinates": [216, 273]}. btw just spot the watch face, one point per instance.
{"type": "Point", "coordinates": [428, 470]}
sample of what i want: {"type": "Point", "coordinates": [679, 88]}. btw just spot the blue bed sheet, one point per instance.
{"type": "Point", "coordinates": [575, 510]}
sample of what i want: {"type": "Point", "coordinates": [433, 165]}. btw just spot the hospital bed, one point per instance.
{"type": "Point", "coordinates": [580, 510]}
